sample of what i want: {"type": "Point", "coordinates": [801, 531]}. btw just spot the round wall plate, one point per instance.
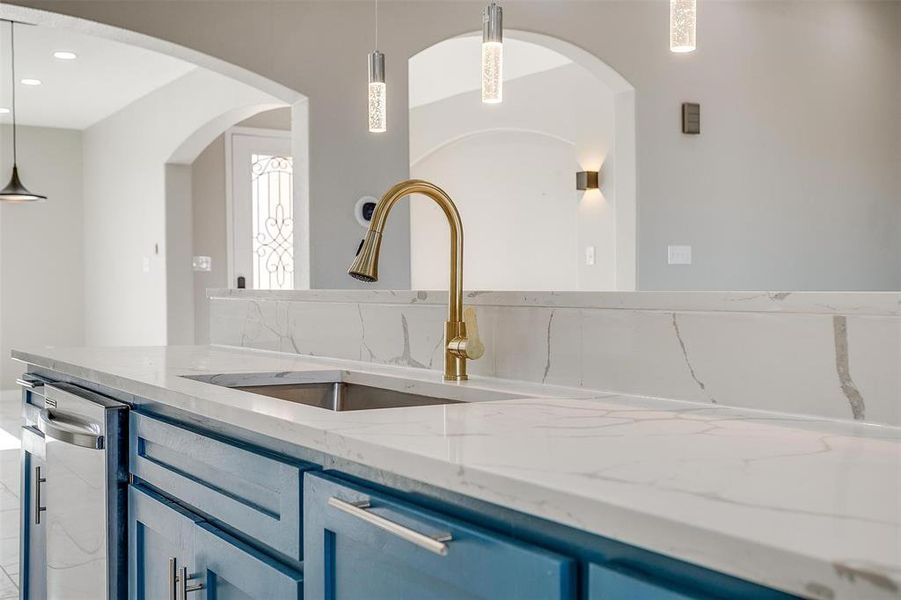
{"type": "Point", "coordinates": [363, 210]}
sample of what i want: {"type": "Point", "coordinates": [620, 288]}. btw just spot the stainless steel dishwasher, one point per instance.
{"type": "Point", "coordinates": [83, 493]}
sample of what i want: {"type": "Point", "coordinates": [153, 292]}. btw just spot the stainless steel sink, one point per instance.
{"type": "Point", "coordinates": [341, 396]}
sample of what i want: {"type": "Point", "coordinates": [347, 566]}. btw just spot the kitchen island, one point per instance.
{"type": "Point", "coordinates": [800, 505]}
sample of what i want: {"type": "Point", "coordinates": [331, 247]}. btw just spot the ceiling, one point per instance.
{"type": "Point", "coordinates": [451, 67]}
{"type": "Point", "coordinates": [75, 94]}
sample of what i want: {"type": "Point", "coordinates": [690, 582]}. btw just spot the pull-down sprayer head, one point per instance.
{"type": "Point", "coordinates": [366, 265]}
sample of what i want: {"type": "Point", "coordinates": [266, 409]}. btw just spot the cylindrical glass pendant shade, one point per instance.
{"type": "Point", "coordinates": [378, 107]}
{"type": "Point", "coordinates": [682, 25]}
{"type": "Point", "coordinates": [492, 54]}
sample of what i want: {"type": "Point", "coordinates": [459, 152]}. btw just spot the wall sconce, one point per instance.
{"type": "Point", "coordinates": [587, 180]}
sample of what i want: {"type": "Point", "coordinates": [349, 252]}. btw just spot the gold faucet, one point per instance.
{"type": "Point", "coordinates": [458, 345]}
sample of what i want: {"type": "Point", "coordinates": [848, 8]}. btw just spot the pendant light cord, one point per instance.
{"type": "Point", "coordinates": [376, 24]}
{"type": "Point", "coordinates": [12, 55]}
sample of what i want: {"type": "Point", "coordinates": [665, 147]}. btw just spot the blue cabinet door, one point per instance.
{"type": "Point", "coordinates": [362, 544]}
{"type": "Point", "coordinates": [32, 545]}
{"type": "Point", "coordinates": [611, 583]}
{"type": "Point", "coordinates": [229, 569]}
{"type": "Point", "coordinates": [161, 543]}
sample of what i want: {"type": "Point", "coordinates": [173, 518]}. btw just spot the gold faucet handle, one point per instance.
{"type": "Point", "coordinates": [474, 347]}
{"type": "Point", "coordinates": [469, 345]}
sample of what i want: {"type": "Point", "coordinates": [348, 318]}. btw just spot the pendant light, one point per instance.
{"type": "Point", "coordinates": [378, 106]}
{"type": "Point", "coordinates": [492, 54]}
{"type": "Point", "coordinates": [14, 190]}
{"type": "Point", "coordinates": [683, 16]}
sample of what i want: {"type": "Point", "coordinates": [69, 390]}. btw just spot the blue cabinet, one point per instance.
{"type": "Point", "coordinates": [161, 544]}
{"type": "Point", "coordinates": [213, 518]}
{"type": "Point", "coordinates": [174, 553]}
{"type": "Point", "coordinates": [363, 544]}
{"type": "Point", "coordinates": [32, 547]}
{"type": "Point", "coordinates": [614, 583]}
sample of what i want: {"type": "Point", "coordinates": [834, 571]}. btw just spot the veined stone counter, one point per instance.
{"type": "Point", "coordinates": [809, 506]}
{"type": "Point", "coordinates": [858, 303]}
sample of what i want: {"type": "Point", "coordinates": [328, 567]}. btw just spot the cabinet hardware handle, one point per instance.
{"type": "Point", "coordinates": [38, 509]}
{"type": "Point", "coordinates": [29, 384]}
{"type": "Point", "coordinates": [173, 578]}
{"type": "Point", "coordinates": [183, 586]}
{"type": "Point", "coordinates": [178, 581]}
{"type": "Point", "coordinates": [436, 544]}
{"type": "Point", "coordinates": [70, 431]}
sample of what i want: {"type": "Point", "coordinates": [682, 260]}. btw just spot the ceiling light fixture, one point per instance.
{"type": "Point", "coordinates": [378, 107]}
{"type": "Point", "coordinates": [31, 81]}
{"type": "Point", "coordinates": [492, 54]}
{"type": "Point", "coordinates": [683, 17]}
{"type": "Point", "coordinates": [65, 55]}
{"type": "Point", "coordinates": [14, 190]}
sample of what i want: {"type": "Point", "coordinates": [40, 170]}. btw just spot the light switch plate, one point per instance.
{"type": "Point", "coordinates": [678, 255]}
{"type": "Point", "coordinates": [145, 264]}
{"type": "Point", "coordinates": [691, 118]}
{"type": "Point", "coordinates": [589, 255]}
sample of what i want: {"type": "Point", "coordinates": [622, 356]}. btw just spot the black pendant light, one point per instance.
{"type": "Point", "coordinates": [14, 190]}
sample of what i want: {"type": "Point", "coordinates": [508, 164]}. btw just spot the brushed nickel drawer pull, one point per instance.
{"type": "Point", "coordinates": [38, 509]}
{"type": "Point", "coordinates": [70, 430]}
{"type": "Point", "coordinates": [178, 582]}
{"type": "Point", "coordinates": [184, 588]}
{"type": "Point", "coordinates": [436, 544]}
{"type": "Point", "coordinates": [30, 385]}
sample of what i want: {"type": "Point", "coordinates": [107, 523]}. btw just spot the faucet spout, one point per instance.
{"type": "Point", "coordinates": [365, 268]}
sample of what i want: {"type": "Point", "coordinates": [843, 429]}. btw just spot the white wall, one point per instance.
{"type": "Point", "coordinates": [41, 257]}
{"type": "Point", "coordinates": [125, 190]}
{"type": "Point", "coordinates": [792, 184]}
{"type": "Point", "coordinates": [511, 170]}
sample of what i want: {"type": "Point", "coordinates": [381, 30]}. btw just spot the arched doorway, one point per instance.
{"type": "Point", "coordinates": [511, 167]}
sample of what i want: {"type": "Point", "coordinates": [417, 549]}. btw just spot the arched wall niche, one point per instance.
{"type": "Point", "coordinates": [605, 220]}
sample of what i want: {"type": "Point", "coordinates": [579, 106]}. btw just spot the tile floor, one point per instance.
{"type": "Point", "coordinates": [10, 423]}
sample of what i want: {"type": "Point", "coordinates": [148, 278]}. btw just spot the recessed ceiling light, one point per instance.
{"type": "Point", "coordinates": [65, 55]}
{"type": "Point", "coordinates": [3, 111]}
{"type": "Point", "coordinates": [28, 81]}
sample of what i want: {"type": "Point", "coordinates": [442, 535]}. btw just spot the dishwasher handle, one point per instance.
{"type": "Point", "coordinates": [70, 430]}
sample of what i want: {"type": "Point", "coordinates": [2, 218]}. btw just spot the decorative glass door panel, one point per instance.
{"type": "Point", "coordinates": [262, 211]}
{"type": "Point", "coordinates": [272, 203]}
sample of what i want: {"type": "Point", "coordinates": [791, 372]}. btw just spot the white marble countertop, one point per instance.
{"type": "Point", "coordinates": [847, 303]}
{"type": "Point", "coordinates": [809, 506]}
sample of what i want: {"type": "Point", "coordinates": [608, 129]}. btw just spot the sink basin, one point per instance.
{"type": "Point", "coordinates": [341, 390]}
{"type": "Point", "coordinates": [341, 396]}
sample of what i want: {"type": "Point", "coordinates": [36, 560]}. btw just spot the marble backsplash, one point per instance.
{"type": "Point", "coordinates": [835, 355]}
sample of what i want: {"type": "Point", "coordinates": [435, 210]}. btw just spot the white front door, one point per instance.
{"type": "Point", "coordinates": [261, 221]}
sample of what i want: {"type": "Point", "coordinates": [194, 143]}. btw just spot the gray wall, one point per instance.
{"type": "Point", "coordinates": [793, 183]}
{"type": "Point", "coordinates": [41, 246]}
{"type": "Point", "coordinates": [179, 271]}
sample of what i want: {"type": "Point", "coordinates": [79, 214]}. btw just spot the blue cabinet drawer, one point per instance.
{"type": "Point", "coordinates": [612, 583]}
{"type": "Point", "coordinates": [250, 492]}
{"type": "Point", "coordinates": [362, 544]}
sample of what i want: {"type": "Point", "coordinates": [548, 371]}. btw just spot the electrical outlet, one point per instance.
{"type": "Point", "coordinates": [678, 255]}
{"type": "Point", "coordinates": [145, 264]}
{"type": "Point", "coordinates": [202, 263]}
